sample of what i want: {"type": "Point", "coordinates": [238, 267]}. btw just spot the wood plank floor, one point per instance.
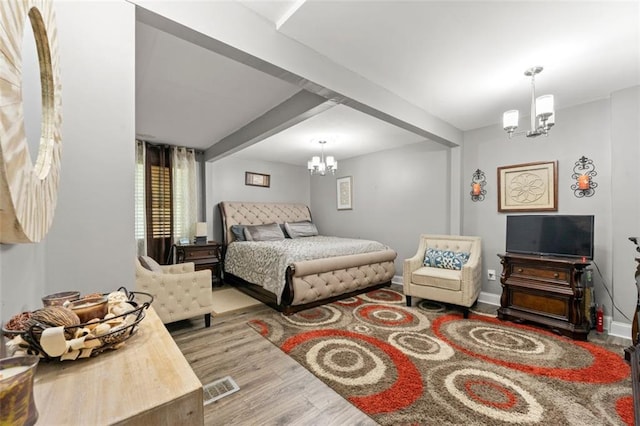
{"type": "Point", "coordinates": [274, 389]}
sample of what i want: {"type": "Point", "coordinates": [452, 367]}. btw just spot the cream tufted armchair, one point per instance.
{"type": "Point", "coordinates": [459, 287]}
{"type": "Point", "coordinates": [179, 291]}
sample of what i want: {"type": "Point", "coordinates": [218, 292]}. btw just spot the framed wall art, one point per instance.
{"type": "Point", "coordinates": [528, 187]}
{"type": "Point", "coordinates": [257, 179]}
{"type": "Point", "coordinates": [344, 192]}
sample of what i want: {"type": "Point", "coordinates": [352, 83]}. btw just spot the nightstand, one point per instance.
{"type": "Point", "coordinates": [204, 256]}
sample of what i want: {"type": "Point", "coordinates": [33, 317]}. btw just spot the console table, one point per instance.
{"type": "Point", "coordinates": [545, 290]}
{"type": "Point", "coordinates": [146, 382]}
{"type": "Point", "coordinates": [204, 256]}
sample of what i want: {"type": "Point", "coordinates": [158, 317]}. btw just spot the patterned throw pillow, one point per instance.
{"type": "Point", "coordinates": [445, 259]}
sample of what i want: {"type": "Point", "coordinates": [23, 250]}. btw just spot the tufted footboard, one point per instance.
{"type": "Point", "coordinates": [315, 280]}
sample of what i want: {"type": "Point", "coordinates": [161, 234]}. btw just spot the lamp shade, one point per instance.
{"type": "Point", "coordinates": [544, 106]}
{"type": "Point", "coordinates": [510, 119]}
{"type": "Point", "coordinates": [201, 229]}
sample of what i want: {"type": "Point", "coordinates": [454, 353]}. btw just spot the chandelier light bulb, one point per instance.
{"type": "Point", "coordinates": [510, 120]}
{"type": "Point", "coordinates": [544, 106]}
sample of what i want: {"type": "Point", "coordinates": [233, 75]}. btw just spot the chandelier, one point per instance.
{"type": "Point", "coordinates": [320, 165]}
{"type": "Point", "coordinates": [542, 114]}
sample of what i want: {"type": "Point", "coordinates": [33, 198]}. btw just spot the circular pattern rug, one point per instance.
{"type": "Point", "coordinates": [428, 365]}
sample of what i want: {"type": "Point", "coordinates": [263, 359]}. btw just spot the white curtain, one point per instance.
{"type": "Point", "coordinates": [183, 163]}
{"type": "Point", "coordinates": [140, 203]}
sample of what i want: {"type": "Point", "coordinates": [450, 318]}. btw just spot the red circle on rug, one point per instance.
{"type": "Point", "coordinates": [606, 368]}
{"type": "Point", "coordinates": [407, 388]}
{"type": "Point", "coordinates": [510, 398]}
{"type": "Point", "coordinates": [624, 408]}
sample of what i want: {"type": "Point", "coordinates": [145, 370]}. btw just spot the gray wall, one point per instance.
{"type": "Point", "coordinates": [625, 196]}
{"type": "Point", "coordinates": [397, 195]}
{"type": "Point", "coordinates": [90, 246]}
{"type": "Point", "coordinates": [225, 182]}
{"type": "Point", "coordinates": [588, 130]}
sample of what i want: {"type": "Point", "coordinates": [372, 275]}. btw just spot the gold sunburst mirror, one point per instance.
{"type": "Point", "coordinates": [28, 190]}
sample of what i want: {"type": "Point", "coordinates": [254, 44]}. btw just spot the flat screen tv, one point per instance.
{"type": "Point", "coordinates": [551, 235]}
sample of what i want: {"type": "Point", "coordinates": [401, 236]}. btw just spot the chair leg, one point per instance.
{"type": "Point", "coordinates": [465, 312]}
{"type": "Point", "coordinates": [207, 320]}
{"type": "Point", "coordinates": [408, 300]}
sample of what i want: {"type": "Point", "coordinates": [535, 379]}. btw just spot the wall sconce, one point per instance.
{"type": "Point", "coordinates": [583, 172]}
{"type": "Point", "coordinates": [478, 182]}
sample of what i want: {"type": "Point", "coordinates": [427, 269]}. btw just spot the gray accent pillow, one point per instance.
{"type": "Point", "coordinates": [150, 264]}
{"type": "Point", "coordinates": [301, 229]}
{"type": "Point", "coordinates": [270, 232]}
{"type": "Point", "coordinates": [238, 232]}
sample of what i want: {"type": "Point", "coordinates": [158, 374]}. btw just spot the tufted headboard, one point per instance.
{"type": "Point", "coordinates": [253, 213]}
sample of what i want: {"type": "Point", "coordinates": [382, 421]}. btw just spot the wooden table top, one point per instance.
{"type": "Point", "coordinates": [145, 380]}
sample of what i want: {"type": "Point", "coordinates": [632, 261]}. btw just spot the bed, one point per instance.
{"type": "Point", "coordinates": [292, 274]}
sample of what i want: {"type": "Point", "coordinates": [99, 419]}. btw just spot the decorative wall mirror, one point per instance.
{"type": "Point", "coordinates": [28, 189]}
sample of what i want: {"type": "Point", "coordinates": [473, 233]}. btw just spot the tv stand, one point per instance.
{"type": "Point", "coordinates": [545, 290]}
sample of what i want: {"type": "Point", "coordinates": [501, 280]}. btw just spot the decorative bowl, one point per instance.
{"type": "Point", "coordinates": [58, 299]}
{"type": "Point", "coordinates": [90, 308]}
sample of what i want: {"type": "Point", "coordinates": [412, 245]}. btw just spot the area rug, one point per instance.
{"type": "Point", "coordinates": [427, 365]}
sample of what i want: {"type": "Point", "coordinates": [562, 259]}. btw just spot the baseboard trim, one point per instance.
{"type": "Point", "coordinates": [397, 279]}
{"type": "Point", "coordinates": [489, 298]}
{"type": "Point", "coordinates": [618, 329]}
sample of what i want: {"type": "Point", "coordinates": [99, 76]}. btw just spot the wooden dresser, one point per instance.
{"type": "Point", "coordinates": [204, 256]}
{"type": "Point", "coordinates": [545, 290]}
{"type": "Point", "coordinates": [146, 382]}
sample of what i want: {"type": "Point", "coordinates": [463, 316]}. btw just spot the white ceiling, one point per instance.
{"type": "Point", "coordinates": [460, 61]}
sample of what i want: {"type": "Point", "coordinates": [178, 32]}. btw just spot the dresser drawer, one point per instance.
{"type": "Point", "coordinates": [531, 272]}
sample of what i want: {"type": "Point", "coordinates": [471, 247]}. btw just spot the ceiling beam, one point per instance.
{"type": "Point", "coordinates": [232, 30]}
{"type": "Point", "coordinates": [297, 108]}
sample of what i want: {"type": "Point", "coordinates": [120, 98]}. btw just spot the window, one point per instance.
{"type": "Point", "coordinates": [165, 191]}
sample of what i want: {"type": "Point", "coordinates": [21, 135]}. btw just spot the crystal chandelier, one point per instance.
{"type": "Point", "coordinates": [320, 165]}
{"type": "Point", "coordinates": [542, 114]}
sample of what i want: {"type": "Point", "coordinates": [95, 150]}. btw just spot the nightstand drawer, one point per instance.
{"type": "Point", "coordinates": [204, 253]}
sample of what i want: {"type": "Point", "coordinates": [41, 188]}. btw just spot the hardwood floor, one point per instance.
{"type": "Point", "coordinates": [274, 389]}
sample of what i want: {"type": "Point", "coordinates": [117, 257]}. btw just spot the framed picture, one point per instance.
{"type": "Point", "coordinates": [528, 187]}
{"type": "Point", "coordinates": [256, 179]}
{"type": "Point", "coordinates": [344, 192]}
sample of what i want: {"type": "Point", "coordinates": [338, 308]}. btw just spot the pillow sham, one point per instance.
{"type": "Point", "coordinates": [238, 232]}
{"type": "Point", "coordinates": [269, 232]}
{"type": "Point", "coordinates": [445, 259]}
{"type": "Point", "coordinates": [150, 264]}
{"type": "Point", "coordinates": [301, 229]}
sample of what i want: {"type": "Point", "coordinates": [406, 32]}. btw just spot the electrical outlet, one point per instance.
{"type": "Point", "coordinates": [491, 274]}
